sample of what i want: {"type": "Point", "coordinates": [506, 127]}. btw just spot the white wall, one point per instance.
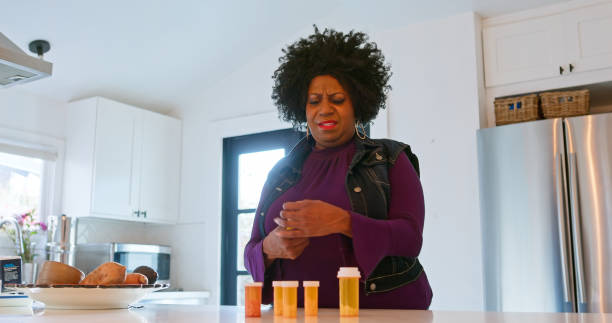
{"type": "Point", "coordinates": [434, 106]}
{"type": "Point", "coordinates": [435, 109]}
{"type": "Point", "coordinates": [24, 111]}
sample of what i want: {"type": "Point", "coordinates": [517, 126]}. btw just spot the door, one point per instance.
{"type": "Point", "coordinates": [246, 163]}
{"type": "Point", "coordinates": [523, 218]}
{"type": "Point", "coordinates": [589, 141]}
{"type": "Point", "coordinates": [160, 168]}
{"type": "Point", "coordinates": [116, 160]}
{"type": "Point", "coordinates": [588, 34]}
{"type": "Point", "coordinates": [522, 51]}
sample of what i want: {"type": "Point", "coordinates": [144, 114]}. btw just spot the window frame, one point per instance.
{"type": "Point", "coordinates": [52, 151]}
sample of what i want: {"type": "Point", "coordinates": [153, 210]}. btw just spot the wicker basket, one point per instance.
{"type": "Point", "coordinates": [565, 103]}
{"type": "Point", "coordinates": [517, 109]}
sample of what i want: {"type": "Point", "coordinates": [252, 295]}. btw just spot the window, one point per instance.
{"type": "Point", "coordinates": [20, 184]}
{"type": "Point", "coordinates": [29, 166]}
{"type": "Point", "coordinates": [246, 163]}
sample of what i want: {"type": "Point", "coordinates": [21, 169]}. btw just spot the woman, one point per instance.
{"type": "Point", "coordinates": [339, 198]}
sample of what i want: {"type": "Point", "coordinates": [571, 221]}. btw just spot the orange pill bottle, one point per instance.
{"type": "Point", "coordinates": [252, 299]}
{"type": "Point", "coordinates": [290, 298]}
{"type": "Point", "coordinates": [278, 297]}
{"type": "Point", "coordinates": [349, 291]}
{"type": "Point", "coordinates": [311, 298]}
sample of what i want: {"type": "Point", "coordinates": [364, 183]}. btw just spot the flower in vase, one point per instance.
{"type": "Point", "coordinates": [30, 226]}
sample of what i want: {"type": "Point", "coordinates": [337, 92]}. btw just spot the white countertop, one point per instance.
{"type": "Point", "coordinates": [233, 314]}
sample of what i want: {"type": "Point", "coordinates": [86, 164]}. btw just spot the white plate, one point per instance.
{"type": "Point", "coordinates": [90, 297]}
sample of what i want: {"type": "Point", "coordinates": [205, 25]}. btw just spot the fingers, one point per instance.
{"type": "Point", "coordinates": [294, 206]}
{"type": "Point", "coordinates": [290, 214]}
{"type": "Point", "coordinates": [287, 224]}
{"type": "Point", "coordinates": [296, 250]}
{"type": "Point", "coordinates": [278, 247]}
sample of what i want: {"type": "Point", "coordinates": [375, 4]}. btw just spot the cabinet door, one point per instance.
{"type": "Point", "coordinates": [116, 160]}
{"type": "Point", "coordinates": [588, 35]}
{"type": "Point", "coordinates": [522, 51]}
{"type": "Point", "coordinates": [159, 184]}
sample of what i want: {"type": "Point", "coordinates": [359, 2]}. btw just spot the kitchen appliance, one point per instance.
{"type": "Point", "coordinates": [91, 255]}
{"type": "Point", "coordinates": [61, 239]}
{"type": "Point", "coordinates": [546, 215]}
{"type": "Point", "coordinates": [18, 67]}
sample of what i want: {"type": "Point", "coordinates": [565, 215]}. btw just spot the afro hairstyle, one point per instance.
{"type": "Point", "coordinates": [358, 65]}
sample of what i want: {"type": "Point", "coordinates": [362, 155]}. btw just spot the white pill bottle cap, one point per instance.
{"type": "Point", "coordinates": [349, 272]}
{"type": "Point", "coordinates": [290, 283]}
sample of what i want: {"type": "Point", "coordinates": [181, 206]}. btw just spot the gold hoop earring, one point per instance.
{"type": "Point", "coordinates": [363, 131]}
{"type": "Point", "coordinates": [307, 133]}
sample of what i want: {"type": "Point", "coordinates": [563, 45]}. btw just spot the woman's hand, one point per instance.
{"type": "Point", "coordinates": [275, 246]}
{"type": "Point", "coordinates": [313, 218]}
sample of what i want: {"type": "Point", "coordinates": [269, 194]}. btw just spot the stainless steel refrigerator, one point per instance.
{"type": "Point", "coordinates": [546, 215]}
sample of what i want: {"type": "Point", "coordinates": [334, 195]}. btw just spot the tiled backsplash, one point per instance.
{"type": "Point", "coordinates": [92, 230]}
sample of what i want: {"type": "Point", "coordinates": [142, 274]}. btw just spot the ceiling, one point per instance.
{"type": "Point", "coordinates": [154, 53]}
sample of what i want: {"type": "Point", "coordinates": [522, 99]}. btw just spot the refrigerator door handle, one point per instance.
{"type": "Point", "coordinates": [577, 237]}
{"type": "Point", "coordinates": [569, 303]}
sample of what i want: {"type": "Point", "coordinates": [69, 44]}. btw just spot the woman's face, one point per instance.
{"type": "Point", "coordinates": [329, 112]}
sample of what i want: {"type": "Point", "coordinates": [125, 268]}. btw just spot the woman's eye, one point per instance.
{"type": "Point", "coordinates": [338, 101]}
{"type": "Point", "coordinates": [313, 101]}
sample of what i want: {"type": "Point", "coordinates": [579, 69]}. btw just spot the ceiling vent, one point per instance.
{"type": "Point", "coordinates": [17, 67]}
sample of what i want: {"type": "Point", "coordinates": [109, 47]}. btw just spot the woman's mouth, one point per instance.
{"type": "Point", "coordinates": [327, 124]}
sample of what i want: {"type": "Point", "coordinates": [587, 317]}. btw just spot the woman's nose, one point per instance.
{"type": "Point", "coordinates": [326, 108]}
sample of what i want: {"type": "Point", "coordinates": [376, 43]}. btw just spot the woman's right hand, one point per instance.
{"type": "Point", "coordinates": [275, 246]}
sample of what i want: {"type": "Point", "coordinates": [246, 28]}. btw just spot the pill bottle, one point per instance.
{"type": "Point", "coordinates": [349, 291]}
{"type": "Point", "coordinates": [290, 298]}
{"type": "Point", "coordinates": [278, 297]}
{"type": "Point", "coordinates": [311, 298]}
{"type": "Point", "coordinates": [252, 299]}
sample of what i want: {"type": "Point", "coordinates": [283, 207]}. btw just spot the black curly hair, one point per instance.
{"type": "Point", "coordinates": [357, 64]}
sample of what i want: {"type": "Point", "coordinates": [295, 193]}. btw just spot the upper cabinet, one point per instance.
{"type": "Point", "coordinates": [121, 162]}
{"type": "Point", "coordinates": [116, 159]}
{"type": "Point", "coordinates": [588, 36]}
{"type": "Point", "coordinates": [521, 49]}
{"type": "Point", "coordinates": [160, 168]}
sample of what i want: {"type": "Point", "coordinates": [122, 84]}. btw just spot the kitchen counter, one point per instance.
{"type": "Point", "coordinates": [234, 314]}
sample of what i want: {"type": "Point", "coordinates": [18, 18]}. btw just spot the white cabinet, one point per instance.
{"type": "Point", "coordinates": [121, 162]}
{"type": "Point", "coordinates": [160, 167]}
{"type": "Point", "coordinates": [522, 51]}
{"type": "Point", "coordinates": [115, 160]}
{"type": "Point", "coordinates": [566, 42]}
{"type": "Point", "coordinates": [588, 35]}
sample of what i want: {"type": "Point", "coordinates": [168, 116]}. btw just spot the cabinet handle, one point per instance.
{"type": "Point", "coordinates": [137, 214]}
{"type": "Point", "coordinates": [144, 214]}
{"type": "Point", "coordinates": [571, 66]}
{"type": "Point", "coordinates": [561, 70]}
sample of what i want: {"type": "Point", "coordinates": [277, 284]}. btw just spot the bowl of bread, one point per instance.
{"type": "Point", "coordinates": [61, 286]}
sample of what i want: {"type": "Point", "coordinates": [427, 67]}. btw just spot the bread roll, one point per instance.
{"type": "Point", "coordinates": [136, 278]}
{"type": "Point", "coordinates": [106, 274]}
{"type": "Point", "coordinates": [147, 271]}
{"type": "Point", "coordinates": [53, 272]}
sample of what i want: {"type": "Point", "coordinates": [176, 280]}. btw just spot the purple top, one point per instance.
{"type": "Point", "coordinates": [323, 177]}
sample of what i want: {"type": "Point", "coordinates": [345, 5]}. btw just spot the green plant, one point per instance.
{"type": "Point", "coordinates": [30, 226]}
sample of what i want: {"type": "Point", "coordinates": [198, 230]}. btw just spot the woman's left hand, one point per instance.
{"type": "Point", "coordinates": [313, 218]}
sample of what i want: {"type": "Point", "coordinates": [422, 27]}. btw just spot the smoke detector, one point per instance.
{"type": "Point", "coordinates": [17, 67]}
